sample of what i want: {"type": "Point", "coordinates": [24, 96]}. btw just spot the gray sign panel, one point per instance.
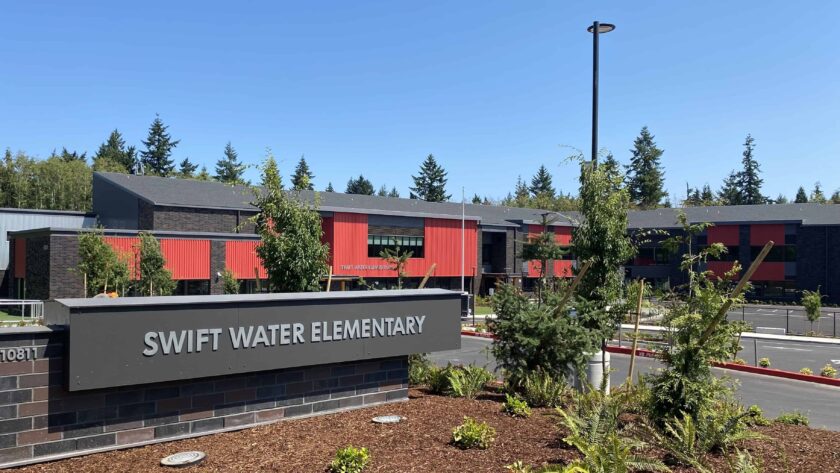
{"type": "Point", "coordinates": [148, 340]}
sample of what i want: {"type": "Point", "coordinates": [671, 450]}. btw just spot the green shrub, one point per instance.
{"type": "Point", "coordinates": [755, 416]}
{"type": "Point", "coordinates": [828, 371]}
{"type": "Point", "coordinates": [467, 381]}
{"type": "Point", "coordinates": [350, 460]}
{"type": "Point", "coordinates": [540, 389]}
{"type": "Point", "coordinates": [418, 369]}
{"type": "Point", "coordinates": [792, 418]}
{"type": "Point", "coordinates": [437, 379]}
{"type": "Point", "coordinates": [744, 463]}
{"type": "Point", "coordinates": [519, 467]}
{"type": "Point", "coordinates": [473, 434]}
{"type": "Point", "coordinates": [764, 362]}
{"type": "Point", "coordinates": [516, 407]}
{"type": "Point", "coordinates": [739, 361]}
{"type": "Point", "coordinates": [807, 371]}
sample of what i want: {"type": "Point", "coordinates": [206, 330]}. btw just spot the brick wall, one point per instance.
{"type": "Point", "coordinates": [38, 268]}
{"type": "Point", "coordinates": [65, 280]}
{"type": "Point", "coordinates": [41, 420]}
{"type": "Point", "coordinates": [217, 265]}
{"type": "Point", "coordinates": [195, 220]}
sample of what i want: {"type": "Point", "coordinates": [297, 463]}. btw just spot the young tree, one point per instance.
{"type": "Point", "coordinates": [153, 277]}
{"type": "Point", "coordinates": [645, 177]}
{"type": "Point", "coordinates": [229, 169]}
{"type": "Point", "coordinates": [730, 193]}
{"type": "Point", "coordinates": [817, 195]}
{"type": "Point", "coordinates": [302, 178]}
{"type": "Point", "coordinates": [329, 187]}
{"type": "Point", "coordinates": [359, 186]}
{"type": "Point", "coordinates": [290, 246]}
{"type": "Point", "coordinates": [397, 259]}
{"type": "Point", "coordinates": [157, 157]}
{"type": "Point", "coordinates": [113, 154]}
{"type": "Point", "coordinates": [541, 249]}
{"type": "Point", "coordinates": [812, 301]}
{"type": "Point", "coordinates": [749, 184]}
{"type": "Point", "coordinates": [801, 196]}
{"type": "Point", "coordinates": [100, 266]}
{"type": "Point", "coordinates": [230, 285]}
{"type": "Point", "coordinates": [541, 183]}
{"type": "Point", "coordinates": [430, 183]}
{"type": "Point", "coordinates": [187, 169]}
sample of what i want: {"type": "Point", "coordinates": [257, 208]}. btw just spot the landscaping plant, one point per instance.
{"type": "Point", "coordinates": [540, 389]}
{"type": "Point", "coordinates": [519, 467]}
{"type": "Point", "coordinates": [516, 407]}
{"type": "Point", "coordinates": [792, 418]}
{"type": "Point", "coordinates": [828, 371]}
{"type": "Point", "coordinates": [744, 463]}
{"type": "Point", "coordinates": [812, 301]}
{"type": "Point", "coordinates": [437, 379]}
{"type": "Point", "coordinates": [467, 381]}
{"type": "Point", "coordinates": [764, 362]}
{"type": "Point", "coordinates": [473, 434]}
{"type": "Point", "coordinates": [350, 460]}
{"type": "Point", "coordinates": [807, 371]}
{"type": "Point", "coordinates": [418, 369]}
{"type": "Point", "coordinates": [230, 284]}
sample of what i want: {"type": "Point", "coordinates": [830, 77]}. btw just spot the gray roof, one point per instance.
{"type": "Point", "coordinates": [173, 192]}
{"type": "Point", "coordinates": [805, 214]}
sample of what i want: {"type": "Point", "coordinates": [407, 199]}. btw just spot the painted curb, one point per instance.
{"type": "Point", "coordinates": [745, 368]}
{"type": "Point", "coordinates": [808, 378]}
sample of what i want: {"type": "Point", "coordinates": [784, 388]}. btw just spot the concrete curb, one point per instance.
{"type": "Point", "coordinates": [760, 336]}
{"type": "Point", "coordinates": [745, 368]}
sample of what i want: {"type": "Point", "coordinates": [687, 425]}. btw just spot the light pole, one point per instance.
{"type": "Point", "coordinates": [596, 29]}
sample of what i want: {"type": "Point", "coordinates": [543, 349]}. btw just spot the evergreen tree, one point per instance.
{"type": "Point", "coordinates": [187, 168]}
{"type": "Point", "coordinates": [302, 178]}
{"type": "Point", "coordinates": [229, 169]}
{"type": "Point", "coordinates": [645, 177]}
{"type": "Point", "coordinates": [521, 193]}
{"type": "Point", "coordinates": [541, 183]}
{"type": "Point", "coordinates": [707, 196]}
{"type": "Point", "coordinates": [835, 197]}
{"type": "Point", "coordinates": [801, 196]}
{"type": "Point", "coordinates": [730, 193]}
{"type": "Point", "coordinates": [157, 157]}
{"type": "Point", "coordinates": [68, 156]}
{"type": "Point", "coordinates": [359, 186]}
{"type": "Point", "coordinates": [203, 175]}
{"type": "Point", "coordinates": [383, 191]}
{"type": "Point", "coordinates": [781, 199]}
{"type": "Point", "coordinates": [612, 165]}
{"type": "Point", "coordinates": [817, 195]}
{"type": "Point", "coordinates": [476, 199]}
{"type": "Point", "coordinates": [749, 184]}
{"type": "Point", "coordinates": [113, 154]}
{"type": "Point", "coordinates": [430, 183]}
{"type": "Point", "coordinates": [329, 187]}
{"type": "Point", "coordinates": [393, 192]}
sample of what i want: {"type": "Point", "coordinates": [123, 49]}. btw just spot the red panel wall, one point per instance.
{"type": "Point", "coordinates": [187, 259]}
{"type": "Point", "coordinates": [719, 268]}
{"type": "Point", "coordinates": [126, 249]}
{"type": "Point", "coordinates": [327, 237]}
{"type": "Point", "coordinates": [770, 271]}
{"type": "Point", "coordinates": [241, 258]}
{"type": "Point", "coordinates": [442, 246]}
{"type": "Point", "coordinates": [534, 267]}
{"type": "Point", "coordinates": [563, 237]}
{"type": "Point", "coordinates": [20, 258]}
{"type": "Point", "coordinates": [726, 234]}
{"type": "Point", "coordinates": [761, 234]}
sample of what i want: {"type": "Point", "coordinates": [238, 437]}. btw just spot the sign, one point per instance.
{"type": "Point", "coordinates": [142, 340]}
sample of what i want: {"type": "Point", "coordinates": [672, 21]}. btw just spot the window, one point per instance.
{"type": "Point", "coordinates": [377, 243]}
{"type": "Point", "coordinates": [777, 254]}
{"type": "Point", "coordinates": [701, 240]}
{"type": "Point", "coordinates": [732, 254]}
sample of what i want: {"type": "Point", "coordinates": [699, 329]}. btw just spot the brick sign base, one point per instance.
{"type": "Point", "coordinates": [42, 421]}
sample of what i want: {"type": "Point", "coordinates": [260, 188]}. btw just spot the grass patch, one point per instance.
{"type": "Point", "coordinates": [483, 310]}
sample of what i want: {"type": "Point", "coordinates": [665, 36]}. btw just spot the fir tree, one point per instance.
{"type": "Point", "coordinates": [835, 197]}
{"type": "Point", "coordinates": [383, 191]}
{"type": "Point", "coordinates": [781, 199]}
{"type": "Point", "coordinates": [430, 183]}
{"type": "Point", "coordinates": [203, 175]}
{"type": "Point", "coordinates": [730, 193]}
{"type": "Point", "coordinates": [229, 169]}
{"type": "Point", "coordinates": [476, 199]}
{"type": "Point", "coordinates": [302, 178]}
{"type": "Point", "coordinates": [393, 192]}
{"type": "Point", "coordinates": [68, 156]}
{"type": "Point", "coordinates": [541, 183]}
{"type": "Point", "coordinates": [801, 196]}
{"type": "Point", "coordinates": [157, 157]}
{"type": "Point", "coordinates": [114, 153]}
{"type": "Point", "coordinates": [817, 195]}
{"type": "Point", "coordinates": [187, 168]}
{"type": "Point", "coordinates": [645, 177]}
{"type": "Point", "coordinates": [521, 193]}
{"type": "Point", "coordinates": [749, 184]}
{"type": "Point", "coordinates": [707, 196]}
{"type": "Point", "coordinates": [329, 187]}
{"type": "Point", "coordinates": [359, 186]}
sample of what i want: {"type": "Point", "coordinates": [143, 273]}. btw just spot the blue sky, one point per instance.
{"type": "Point", "coordinates": [492, 88]}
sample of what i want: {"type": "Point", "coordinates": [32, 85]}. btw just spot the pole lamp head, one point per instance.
{"type": "Point", "coordinates": [602, 28]}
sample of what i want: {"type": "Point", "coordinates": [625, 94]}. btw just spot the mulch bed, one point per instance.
{"type": "Point", "coordinates": [421, 443]}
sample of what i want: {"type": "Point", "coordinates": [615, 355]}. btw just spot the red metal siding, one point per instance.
{"type": "Point", "coordinates": [769, 271]}
{"type": "Point", "coordinates": [187, 259]}
{"type": "Point", "coordinates": [534, 267]}
{"type": "Point", "coordinates": [327, 237]}
{"type": "Point", "coordinates": [563, 237]}
{"type": "Point", "coordinates": [719, 268]}
{"type": "Point", "coordinates": [761, 234]}
{"type": "Point", "coordinates": [126, 249]}
{"type": "Point", "coordinates": [563, 268]}
{"type": "Point", "coordinates": [442, 241]}
{"type": "Point", "coordinates": [241, 258]}
{"type": "Point", "coordinates": [20, 258]}
{"type": "Point", "coordinates": [726, 234]}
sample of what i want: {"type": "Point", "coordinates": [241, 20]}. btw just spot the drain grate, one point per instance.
{"type": "Point", "coordinates": [183, 459]}
{"type": "Point", "coordinates": [387, 420]}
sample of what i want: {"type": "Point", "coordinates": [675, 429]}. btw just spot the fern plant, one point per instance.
{"type": "Point", "coordinates": [682, 444]}
{"type": "Point", "coordinates": [519, 467]}
{"type": "Point", "coordinates": [540, 388]}
{"type": "Point", "coordinates": [467, 381]}
{"type": "Point", "coordinates": [743, 462]}
{"type": "Point", "coordinates": [516, 407]}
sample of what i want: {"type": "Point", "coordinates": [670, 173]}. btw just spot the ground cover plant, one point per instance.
{"type": "Point", "coordinates": [350, 460]}
{"type": "Point", "coordinates": [473, 434]}
{"type": "Point", "coordinates": [516, 407]}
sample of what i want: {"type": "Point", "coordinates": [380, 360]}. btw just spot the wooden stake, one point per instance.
{"type": "Point", "coordinates": [257, 278]}
{"type": "Point", "coordinates": [426, 277]}
{"type": "Point", "coordinates": [735, 293]}
{"type": "Point", "coordinates": [636, 331]}
{"type": "Point", "coordinates": [329, 280]}
{"type": "Point", "coordinates": [574, 285]}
